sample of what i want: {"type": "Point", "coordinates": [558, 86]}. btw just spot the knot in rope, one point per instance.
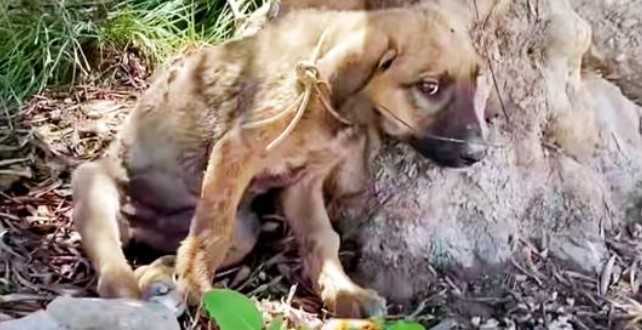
{"type": "Point", "coordinates": [307, 73]}
{"type": "Point", "coordinates": [308, 76]}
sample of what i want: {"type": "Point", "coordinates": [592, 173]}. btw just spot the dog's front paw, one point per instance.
{"type": "Point", "coordinates": [156, 282]}
{"type": "Point", "coordinates": [194, 279]}
{"type": "Point", "coordinates": [354, 302]}
{"type": "Point", "coordinates": [166, 294]}
{"type": "Point", "coordinates": [117, 282]}
{"type": "Point", "coordinates": [192, 294]}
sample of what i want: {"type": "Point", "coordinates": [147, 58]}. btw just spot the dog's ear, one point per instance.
{"type": "Point", "coordinates": [352, 61]}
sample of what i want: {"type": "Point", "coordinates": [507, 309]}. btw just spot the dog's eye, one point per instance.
{"type": "Point", "coordinates": [429, 87]}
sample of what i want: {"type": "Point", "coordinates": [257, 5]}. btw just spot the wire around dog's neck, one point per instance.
{"type": "Point", "coordinates": [307, 75]}
{"type": "Point", "coordinates": [387, 112]}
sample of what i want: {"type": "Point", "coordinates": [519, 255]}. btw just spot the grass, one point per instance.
{"type": "Point", "coordinates": [47, 42]}
{"type": "Point", "coordinates": [42, 43]}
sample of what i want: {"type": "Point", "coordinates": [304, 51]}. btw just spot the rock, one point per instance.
{"type": "Point", "coordinates": [447, 324]}
{"type": "Point", "coordinates": [491, 324]}
{"type": "Point", "coordinates": [37, 321]}
{"type": "Point", "coordinates": [584, 254]}
{"type": "Point", "coordinates": [67, 313]}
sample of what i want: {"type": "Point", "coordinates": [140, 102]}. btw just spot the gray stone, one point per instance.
{"type": "Point", "coordinates": [447, 324]}
{"type": "Point", "coordinates": [491, 324]}
{"type": "Point", "coordinates": [67, 313]}
{"type": "Point", "coordinates": [40, 320]}
{"type": "Point", "coordinates": [584, 254]}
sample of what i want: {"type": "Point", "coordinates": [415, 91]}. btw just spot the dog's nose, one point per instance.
{"type": "Point", "coordinates": [474, 151]}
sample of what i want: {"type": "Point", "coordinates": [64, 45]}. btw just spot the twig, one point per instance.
{"type": "Point", "coordinates": [419, 309]}
{"type": "Point", "coordinates": [8, 115]}
{"type": "Point", "coordinates": [499, 94]}
{"type": "Point", "coordinates": [196, 318]}
{"type": "Point", "coordinates": [288, 302]}
{"type": "Point", "coordinates": [25, 174]}
{"type": "Point", "coordinates": [525, 272]}
{"type": "Point", "coordinates": [605, 277]}
{"type": "Point", "coordinates": [8, 162]}
{"type": "Point", "coordinates": [16, 297]}
{"type": "Point", "coordinates": [5, 247]}
{"type": "Point", "coordinates": [18, 147]}
{"type": "Point", "coordinates": [453, 286]}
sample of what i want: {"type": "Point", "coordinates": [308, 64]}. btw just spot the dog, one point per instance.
{"type": "Point", "coordinates": [301, 106]}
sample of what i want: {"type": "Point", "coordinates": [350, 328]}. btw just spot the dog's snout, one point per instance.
{"type": "Point", "coordinates": [474, 150]}
{"type": "Point", "coordinates": [465, 151]}
{"type": "Point", "coordinates": [456, 138]}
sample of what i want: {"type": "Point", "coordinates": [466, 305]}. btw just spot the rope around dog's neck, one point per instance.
{"type": "Point", "coordinates": [308, 76]}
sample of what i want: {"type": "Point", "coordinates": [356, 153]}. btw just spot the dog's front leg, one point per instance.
{"type": "Point", "coordinates": [230, 169]}
{"type": "Point", "coordinates": [319, 245]}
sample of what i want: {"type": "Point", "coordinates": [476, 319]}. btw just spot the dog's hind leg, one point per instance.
{"type": "Point", "coordinates": [304, 209]}
{"type": "Point", "coordinates": [96, 216]}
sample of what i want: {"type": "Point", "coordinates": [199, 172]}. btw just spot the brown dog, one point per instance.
{"type": "Point", "coordinates": [300, 106]}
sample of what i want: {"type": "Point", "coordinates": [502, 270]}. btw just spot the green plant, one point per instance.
{"type": "Point", "coordinates": [232, 310]}
{"type": "Point", "coordinates": [41, 42]}
{"type": "Point", "coordinates": [403, 325]}
{"type": "Point", "coordinates": [46, 42]}
{"type": "Point", "coordinates": [161, 28]}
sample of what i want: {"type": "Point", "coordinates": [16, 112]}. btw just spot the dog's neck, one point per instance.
{"type": "Point", "coordinates": [358, 110]}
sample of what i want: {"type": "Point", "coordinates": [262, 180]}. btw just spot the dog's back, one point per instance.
{"type": "Point", "coordinates": [200, 97]}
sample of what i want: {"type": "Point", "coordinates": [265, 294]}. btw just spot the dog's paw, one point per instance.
{"type": "Point", "coordinates": [192, 295]}
{"type": "Point", "coordinates": [192, 268]}
{"type": "Point", "coordinates": [355, 302]}
{"type": "Point", "coordinates": [117, 282]}
{"type": "Point", "coordinates": [157, 284]}
{"type": "Point", "coordinates": [166, 294]}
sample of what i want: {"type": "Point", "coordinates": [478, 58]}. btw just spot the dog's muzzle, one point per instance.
{"type": "Point", "coordinates": [455, 138]}
{"type": "Point", "coordinates": [454, 151]}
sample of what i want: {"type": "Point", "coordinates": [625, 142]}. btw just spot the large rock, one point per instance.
{"type": "Point", "coordinates": [566, 169]}
{"type": "Point", "coordinates": [66, 313]}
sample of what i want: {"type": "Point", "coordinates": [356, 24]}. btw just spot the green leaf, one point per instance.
{"type": "Point", "coordinates": [405, 325]}
{"type": "Point", "coordinates": [232, 310]}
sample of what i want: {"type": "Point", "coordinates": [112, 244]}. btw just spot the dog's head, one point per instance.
{"type": "Point", "coordinates": [418, 69]}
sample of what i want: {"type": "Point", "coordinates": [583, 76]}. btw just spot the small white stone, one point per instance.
{"type": "Point", "coordinates": [491, 324]}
